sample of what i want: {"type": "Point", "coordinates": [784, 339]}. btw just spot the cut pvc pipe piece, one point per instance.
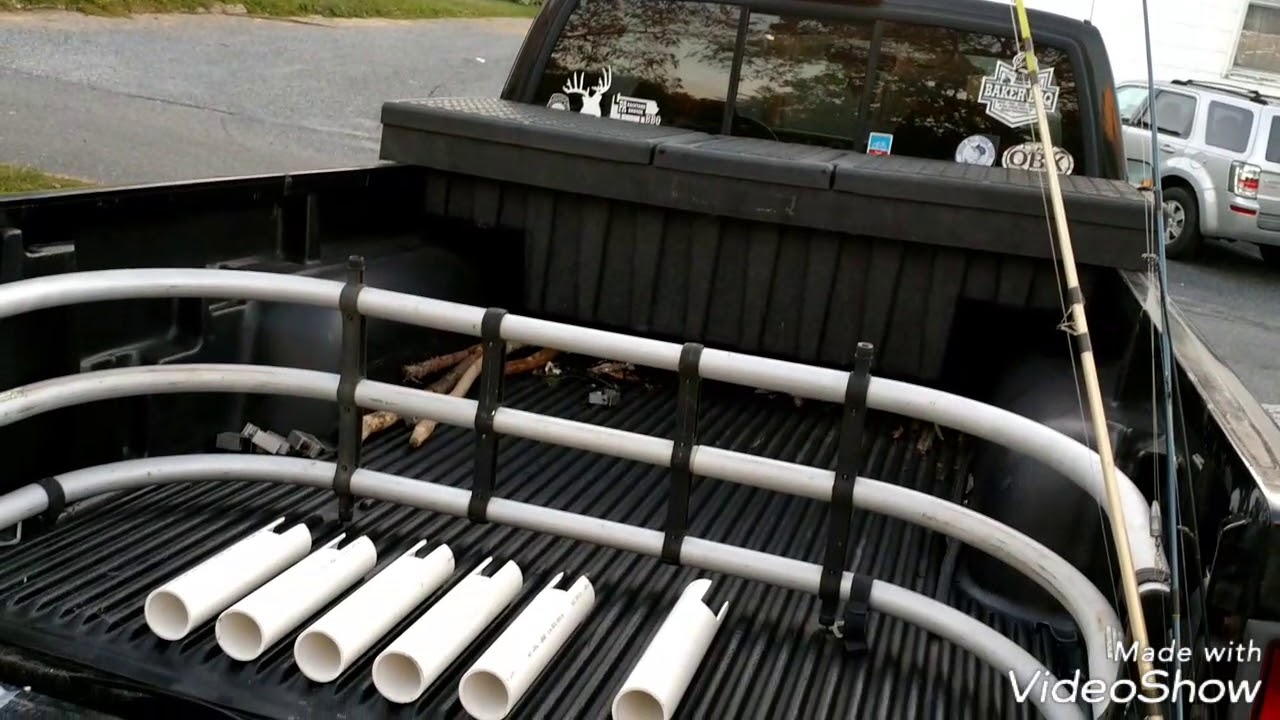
{"type": "Point", "coordinates": [327, 648]}
{"type": "Point", "coordinates": [658, 682]}
{"type": "Point", "coordinates": [257, 622]}
{"type": "Point", "coordinates": [189, 600]}
{"type": "Point", "coordinates": [413, 661]}
{"type": "Point", "coordinates": [497, 681]}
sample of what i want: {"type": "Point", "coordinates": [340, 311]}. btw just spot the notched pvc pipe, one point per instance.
{"type": "Point", "coordinates": [327, 648]}
{"type": "Point", "coordinates": [248, 628]}
{"type": "Point", "coordinates": [659, 680]}
{"type": "Point", "coordinates": [197, 595]}
{"type": "Point", "coordinates": [497, 681]}
{"type": "Point", "coordinates": [413, 661]}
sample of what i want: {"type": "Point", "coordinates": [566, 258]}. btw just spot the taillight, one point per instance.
{"type": "Point", "coordinates": [1268, 706]}
{"type": "Point", "coordinates": [1244, 179]}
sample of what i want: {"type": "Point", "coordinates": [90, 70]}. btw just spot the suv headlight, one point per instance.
{"type": "Point", "coordinates": [1244, 179]}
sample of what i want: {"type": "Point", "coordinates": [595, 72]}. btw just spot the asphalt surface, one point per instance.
{"type": "Point", "coordinates": [152, 99]}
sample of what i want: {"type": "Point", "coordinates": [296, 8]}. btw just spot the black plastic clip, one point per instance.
{"type": "Point", "coordinates": [848, 463]}
{"type": "Point", "coordinates": [352, 368]}
{"type": "Point", "coordinates": [57, 500]}
{"type": "Point", "coordinates": [682, 453]}
{"type": "Point", "coordinates": [857, 616]}
{"type": "Point", "coordinates": [491, 382]}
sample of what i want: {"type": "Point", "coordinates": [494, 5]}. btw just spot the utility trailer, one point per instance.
{"type": "Point", "coordinates": [853, 409]}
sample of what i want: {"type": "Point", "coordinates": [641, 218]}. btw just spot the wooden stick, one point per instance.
{"type": "Point", "coordinates": [531, 363]}
{"type": "Point", "coordinates": [424, 428]}
{"type": "Point", "coordinates": [376, 422]}
{"type": "Point", "coordinates": [449, 379]}
{"type": "Point", "coordinates": [417, 371]}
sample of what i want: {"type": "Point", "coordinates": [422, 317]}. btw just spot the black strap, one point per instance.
{"type": "Point", "coordinates": [352, 368]}
{"type": "Point", "coordinates": [57, 499]}
{"type": "Point", "coordinates": [857, 615]}
{"type": "Point", "coordinates": [848, 463]}
{"type": "Point", "coordinates": [682, 453]}
{"type": "Point", "coordinates": [491, 382]}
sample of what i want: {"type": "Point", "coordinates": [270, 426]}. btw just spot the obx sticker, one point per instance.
{"type": "Point", "coordinates": [1030, 156]}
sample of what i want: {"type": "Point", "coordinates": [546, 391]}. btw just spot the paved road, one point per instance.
{"type": "Point", "coordinates": [164, 98]}
{"type": "Point", "coordinates": [159, 98]}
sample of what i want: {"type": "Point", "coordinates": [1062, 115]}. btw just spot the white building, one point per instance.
{"type": "Point", "coordinates": [1190, 39]}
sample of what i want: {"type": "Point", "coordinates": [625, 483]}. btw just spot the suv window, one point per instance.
{"type": "Point", "coordinates": [805, 80]}
{"type": "Point", "coordinates": [675, 54]}
{"type": "Point", "coordinates": [1273, 141]}
{"type": "Point", "coordinates": [1175, 113]}
{"type": "Point", "coordinates": [1129, 99]}
{"type": "Point", "coordinates": [1228, 126]}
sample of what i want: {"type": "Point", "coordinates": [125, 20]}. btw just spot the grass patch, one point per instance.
{"type": "Point", "coordinates": [23, 179]}
{"type": "Point", "coordinates": [399, 9]}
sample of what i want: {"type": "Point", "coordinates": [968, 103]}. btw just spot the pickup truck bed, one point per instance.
{"type": "Point", "coordinates": [77, 592]}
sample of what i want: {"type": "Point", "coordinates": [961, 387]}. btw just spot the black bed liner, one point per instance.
{"type": "Point", "coordinates": [905, 199]}
{"type": "Point", "coordinates": [77, 592]}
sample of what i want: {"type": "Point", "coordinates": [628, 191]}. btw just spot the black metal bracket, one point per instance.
{"type": "Point", "coordinates": [848, 463]}
{"type": "Point", "coordinates": [492, 369]}
{"type": "Point", "coordinates": [352, 365]}
{"type": "Point", "coordinates": [857, 616]}
{"type": "Point", "coordinates": [57, 500]}
{"type": "Point", "coordinates": [682, 453]}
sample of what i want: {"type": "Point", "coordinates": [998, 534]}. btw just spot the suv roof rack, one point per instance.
{"type": "Point", "coordinates": [1244, 92]}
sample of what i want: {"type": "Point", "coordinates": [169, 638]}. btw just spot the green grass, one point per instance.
{"type": "Point", "coordinates": [399, 9]}
{"type": "Point", "coordinates": [22, 179]}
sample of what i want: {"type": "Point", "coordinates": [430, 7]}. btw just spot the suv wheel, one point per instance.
{"type": "Point", "coordinates": [1181, 223]}
{"type": "Point", "coordinates": [1270, 255]}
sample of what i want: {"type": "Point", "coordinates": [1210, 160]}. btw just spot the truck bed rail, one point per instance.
{"type": "Point", "coordinates": [1096, 619]}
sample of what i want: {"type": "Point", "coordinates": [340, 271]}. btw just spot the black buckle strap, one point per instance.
{"type": "Point", "coordinates": [491, 382]}
{"type": "Point", "coordinates": [352, 367]}
{"type": "Point", "coordinates": [848, 463]}
{"type": "Point", "coordinates": [857, 615]}
{"type": "Point", "coordinates": [57, 500]}
{"type": "Point", "coordinates": [682, 453]}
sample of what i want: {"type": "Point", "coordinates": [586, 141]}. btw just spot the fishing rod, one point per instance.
{"type": "Point", "coordinates": [1080, 330]}
{"type": "Point", "coordinates": [1172, 511]}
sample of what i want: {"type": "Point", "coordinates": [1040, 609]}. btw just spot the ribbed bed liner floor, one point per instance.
{"type": "Point", "coordinates": [77, 592]}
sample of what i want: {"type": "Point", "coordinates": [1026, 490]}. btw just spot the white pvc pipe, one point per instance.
{"type": "Point", "coordinates": [413, 661]}
{"type": "Point", "coordinates": [497, 681]}
{"type": "Point", "coordinates": [935, 617]}
{"type": "Point", "coordinates": [658, 682]}
{"type": "Point", "coordinates": [248, 628]}
{"type": "Point", "coordinates": [327, 648]}
{"type": "Point", "coordinates": [197, 595]}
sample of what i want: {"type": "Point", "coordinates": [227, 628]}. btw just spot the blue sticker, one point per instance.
{"type": "Point", "coordinates": [879, 143]}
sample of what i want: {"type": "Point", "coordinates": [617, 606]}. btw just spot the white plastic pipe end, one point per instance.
{"type": "Point", "coordinates": [486, 696]}
{"type": "Point", "coordinates": [167, 614]}
{"type": "Point", "coordinates": [240, 635]}
{"type": "Point", "coordinates": [399, 677]}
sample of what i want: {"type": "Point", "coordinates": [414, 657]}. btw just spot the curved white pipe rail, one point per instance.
{"type": "Point", "coordinates": [498, 679]}
{"type": "Point", "coordinates": [327, 648]}
{"type": "Point", "coordinates": [408, 666]}
{"type": "Point", "coordinates": [1092, 612]}
{"type": "Point", "coordinates": [189, 600]}
{"type": "Point", "coordinates": [245, 630]}
{"type": "Point", "coordinates": [940, 619]}
{"type": "Point", "coordinates": [660, 678]}
{"type": "Point", "coordinates": [1065, 455]}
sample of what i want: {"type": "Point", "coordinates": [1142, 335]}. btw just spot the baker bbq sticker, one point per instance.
{"type": "Point", "coordinates": [1030, 156]}
{"type": "Point", "coordinates": [636, 110]}
{"type": "Point", "coordinates": [1007, 92]}
{"type": "Point", "coordinates": [977, 150]}
{"type": "Point", "coordinates": [591, 96]}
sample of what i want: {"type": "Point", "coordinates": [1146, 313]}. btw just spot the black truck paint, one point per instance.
{"type": "Point", "coordinates": [459, 235]}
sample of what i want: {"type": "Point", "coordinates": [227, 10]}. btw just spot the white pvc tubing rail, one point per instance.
{"type": "Point", "coordinates": [938, 618]}
{"type": "Point", "coordinates": [1056, 450]}
{"type": "Point", "coordinates": [1079, 596]}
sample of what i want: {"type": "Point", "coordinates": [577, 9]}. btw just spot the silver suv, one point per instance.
{"type": "Point", "coordinates": [1219, 157]}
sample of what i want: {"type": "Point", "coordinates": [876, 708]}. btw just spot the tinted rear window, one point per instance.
{"type": "Point", "coordinates": [1228, 127]}
{"type": "Point", "coordinates": [1273, 141]}
{"type": "Point", "coordinates": [807, 81]}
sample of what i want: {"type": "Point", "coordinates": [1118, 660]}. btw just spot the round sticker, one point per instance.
{"type": "Point", "coordinates": [1030, 156]}
{"type": "Point", "coordinates": [558, 101]}
{"type": "Point", "coordinates": [976, 150]}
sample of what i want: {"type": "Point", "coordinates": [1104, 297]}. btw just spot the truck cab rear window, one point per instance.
{"type": "Point", "coordinates": [909, 89]}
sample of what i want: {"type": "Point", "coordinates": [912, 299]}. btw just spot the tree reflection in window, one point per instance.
{"type": "Point", "coordinates": [676, 53]}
